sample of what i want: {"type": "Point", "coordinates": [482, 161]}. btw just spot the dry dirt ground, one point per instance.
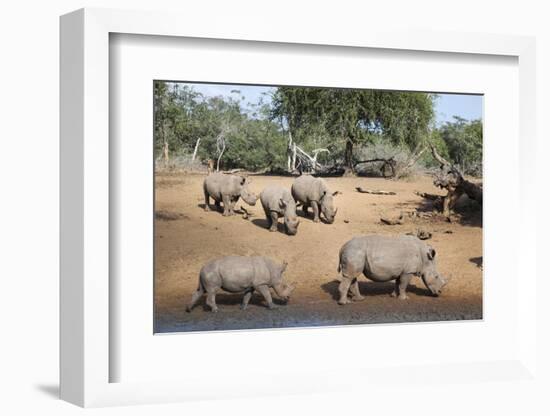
{"type": "Point", "coordinates": [186, 237]}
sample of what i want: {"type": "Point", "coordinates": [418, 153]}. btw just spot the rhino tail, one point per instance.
{"type": "Point", "coordinates": [339, 267]}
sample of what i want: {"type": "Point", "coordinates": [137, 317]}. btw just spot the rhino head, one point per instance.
{"type": "Point", "coordinates": [327, 206]}
{"type": "Point", "coordinates": [282, 289]}
{"type": "Point", "coordinates": [248, 196]}
{"type": "Point", "coordinates": [291, 219]}
{"type": "Point", "coordinates": [430, 276]}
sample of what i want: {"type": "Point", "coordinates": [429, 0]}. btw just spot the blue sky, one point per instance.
{"type": "Point", "coordinates": [469, 107]}
{"type": "Point", "coordinates": [466, 106]}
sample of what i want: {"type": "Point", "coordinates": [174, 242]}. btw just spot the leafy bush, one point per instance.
{"type": "Point", "coordinates": [464, 142]}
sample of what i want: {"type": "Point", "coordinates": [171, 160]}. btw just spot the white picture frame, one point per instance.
{"type": "Point", "coordinates": [85, 212]}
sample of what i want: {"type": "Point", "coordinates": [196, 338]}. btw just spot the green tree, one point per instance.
{"type": "Point", "coordinates": [229, 134]}
{"type": "Point", "coordinates": [464, 141]}
{"type": "Point", "coordinates": [349, 117]}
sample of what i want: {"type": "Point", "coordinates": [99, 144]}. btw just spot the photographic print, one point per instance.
{"type": "Point", "coordinates": [291, 206]}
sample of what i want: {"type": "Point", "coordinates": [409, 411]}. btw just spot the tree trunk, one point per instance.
{"type": "Point", "coordinates": [349, 169]}
{"type": "Point", "coordinates": [196, 148]}
{"type": "Point", "coordinates": [219, 158]}
{"type": "Point", "coordinates": [165, 151]}
{"type": "Point", "coordinates": [293, 167]}
{"type": "Point", "coordinates": [289, 153]}
{"type": "Point", "coordinates": [164, 142]}
{"type": "Point", "coordinates": [220, 145]}
{"type": "Point", "coordinates": [451, 179]}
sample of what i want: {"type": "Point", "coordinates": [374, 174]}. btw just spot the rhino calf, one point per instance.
{"type": "Point", "coordinates": [385, 258]}
{"type": "Point", "coordinates": [241, 274]}
{"type": "Point", "coordinates": [310, 191]}
{"type": "Point", "coordinates": [277, 202]}
{"type": "Point", "coordinates": [227, 189]}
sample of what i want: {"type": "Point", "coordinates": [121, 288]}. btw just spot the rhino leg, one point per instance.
{"type": "Point", "coordinates": [268, 217]}
{"type": "Point", "coordinates": [218, 205]}
{"type": "Point", "coordinates": [232, 205]}
{"type": "Point", "coordinates": [226, 205]}
{"type": "Point", "coordinates": [211, 300]}
{"type": "Point", "coordinates": [264, 290]}
{"type": "Point", "coordinates": [315, 208]}
{"type": "Point", "coordinates": [395, 292]}
{"type": "Point", "coordinates": [206, 200]}
{"type": "Point", "coordinates": [274, 218]}
{"type": "Point", "coordinates": [351, 267]}
{"type": "Point", "coordinates": [343, 288]}
{"type": "Point", "coordinates": [401, 285]}
{"type": "Point", "coordinates": [354, 289]}
{"type": "Point", "coordinates": [304, 209]}
{"type": "Point", "coordinates": [246, 299]}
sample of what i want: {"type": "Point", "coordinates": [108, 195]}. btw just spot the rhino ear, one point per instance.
{"type": "Point", "coordinates": [431, 253]}
{"type": "Point", "coordinates": [283, 266]}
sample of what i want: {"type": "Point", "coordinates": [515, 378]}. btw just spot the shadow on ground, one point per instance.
{"type": "Point", "coordinates": [223, 299]}
{"type": "Point", "coordinates": [373, 289]}
{"type": "Point", "coordinates": [466, 212]}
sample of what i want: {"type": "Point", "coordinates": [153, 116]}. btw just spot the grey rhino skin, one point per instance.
{"type": "Point", "coordinates": [277, 202]}
{"type": "Point", "coordinates": [384, 258]}
{"type": "Point", "coordinates": [227, 189]}
{"type": "Point", "coordinates": [241, 274]}
{"type": "Point", "coordinates": [310, 191]}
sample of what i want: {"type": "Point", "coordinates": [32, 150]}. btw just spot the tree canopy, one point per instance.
{"type": "Point", "coordinates": [343, 121]}
{"type": "Point", "coordinates": [350, 117]}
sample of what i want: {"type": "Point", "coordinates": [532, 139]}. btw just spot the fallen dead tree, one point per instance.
{"type": "Point", "coordinates": [411, 216]}
{"type": "Point", "coordinates": [390, 163]}
{"type": "Point", "coordinates": [374, 191]}
{"type": "Point", "coordinates": [450, 178]}
{"type": "Point", "coordinates": [397, 169]}
{"type": "Point", "coordinates": [431, 197]}
{"type": "Point", "coordinates": [232, 171]}
{"type": "Point", "coordinates": [300, 161]}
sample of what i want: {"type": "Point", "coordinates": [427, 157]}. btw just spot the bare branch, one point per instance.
{"type": "Point", "coordinates": [438, 157]}
{"type": "Point", "coordinates": [413, 159]}
{"type": "Point", "coordinates": [220, 145]}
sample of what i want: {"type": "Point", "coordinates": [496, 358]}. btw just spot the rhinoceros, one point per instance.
{"type": "Point", "coordinates": [227, 189]}
{"type": "Point", "coordinates": [384, 258]}
{"type": "Point", "coordinates": [310, 191]}
{"type": "Point", "coordinates": [277, 202]}
{"type": "Point", "coordinates": [241, 274]}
